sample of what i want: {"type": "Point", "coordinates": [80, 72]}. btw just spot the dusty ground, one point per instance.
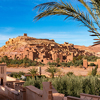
{"type": "Point", "coordinates": [76, 71]}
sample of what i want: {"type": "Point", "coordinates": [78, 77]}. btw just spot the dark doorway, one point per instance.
{"type": "Point", "coordinates": [64, 57]}
{"type": "Point", "coordinates": [1, 81]}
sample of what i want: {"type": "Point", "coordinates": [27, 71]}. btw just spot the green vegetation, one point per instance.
{"type": "Point", "coordinates": [17, 75]}
{"type": "Point", "coordinates": [70, 84]}
{"type": "Point", "coordinates": [77, 61]}
{"type": "Point", "coordinates": [91, 58]}
{"type": "Point", "coordinates": [58, 62]}
{"type": "Point", "coordinates": [37, 82]}
{"type": "Point", "coordinates": [53, 63]}
{"type": "Point", "coordinates": [94, 71]}
{"type": "Point", "coordinates": [20, 62]}
{"type": "Point", "coordinates": [70, 73]}
{"type": "Point", "coordinates": [92, 64]}
{"type": "Point", "coordinates": [33, 72]}
{"type": "Point", "coordinates": [73, 63]}
{"type": "Point", "coordinates": [52, 70]}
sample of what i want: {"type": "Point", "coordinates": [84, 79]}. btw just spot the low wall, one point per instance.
{"type": "Point", "coordinates": [86, 63]}
{"type": "Point", "coordinates": [32, 93]}
{"type": "Point", "coordinates": [13, 94]}
{"type": "Point", "coordinates": [89, 97]}
{"type": "Point", "coordinates": [2, 90]}
{"type": "Point", "coordinates": [48, 93]}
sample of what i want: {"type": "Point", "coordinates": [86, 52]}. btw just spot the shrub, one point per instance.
{"type": "Point", "coordinates": [64, 64]}
{"type": "Point", "coordinates": [69, 64]}
{"type": "Point", "coordinates": [37, 82]}
{"type": "Point", "coordinates": [78, 63]}
{"type": "Point", "coordinates": [53, 63]}
{"type": "Point", "coordinates": [91, 58]}
{"type": "Point", "coordinates": [41, 64]}
{"type": "Point", "coordinates": [17, 75]}
{"type": "Point", "coordinates": [70, 73]}
{"type": "Point", "coordinates": [92, 64]}
{"type": "Point", "coordinates": [70, 85]}
{"type": "Point", "coordinates": [94, 71]}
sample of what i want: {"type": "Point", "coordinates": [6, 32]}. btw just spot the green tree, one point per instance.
{"type": "Point", "coordinates": [57, 61]}
{"type": "Point", "coordinates": [94, 71]}
{"type": "Point", "coordinates": [52, 70]}
{"type": "Point", "coordinates": [89, 19]}
{"type": "Point", "coordinates": [33, 72]}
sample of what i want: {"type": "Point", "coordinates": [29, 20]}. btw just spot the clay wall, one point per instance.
{"type": "Point", "coordinates": [70, 57]}
{"type": "Point", "coordinates": [98, 62]}
{"type": "Point", "coordinates": [13, 94]}
{"type": "Point", "coordinates": [89, 97]}
{"type": "Point", "coordinates": [86, 63]}
{"type": "Point", "coordinates": [48, 93]}
{"type": "Point", "coordinates": [31, 56]}
{"type": "Point", "coordinates": [31, 94]}
{"type": "Point", "coordinates": [3, 73]}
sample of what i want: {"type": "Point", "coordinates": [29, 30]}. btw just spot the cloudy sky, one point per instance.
{"type": "Point", "coordinates": [16, 18]}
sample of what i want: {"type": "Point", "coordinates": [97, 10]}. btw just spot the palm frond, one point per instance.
{"type": "Point", "coordinates": [96, 7]}
{"type": "Point", "coordinates": [55, 8]}
{"type": "Point", "coordinates": [91, 12]}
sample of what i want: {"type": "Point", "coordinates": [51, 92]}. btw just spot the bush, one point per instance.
{"type": "Point", "coordinates": [70, 73]}
{"type": "Point", "coordinates": [91, 58]}
{"type": "Point", "coordinates": [78, 63]}
{"type": "Point", "coordinates": [41, 64]}
{"type": "Point", "coordinates": [64, 64]}
{"type": "Point", "coordinates": [37, 82]}
{"type": "Point", "coordinates": [92, 64]}
{"type": "Point", "coordinates": [94, 71]}
{"type": "Point", "coordinates": [19, 63]}
{"type": "Point", "coordinates": [70, 85]}
{"type": "Point", "coordinates": [53, 63]}
{"type": "Point", "coordinates": [69, 64]}
{"type": "Point", "coordinates": [17, 75]}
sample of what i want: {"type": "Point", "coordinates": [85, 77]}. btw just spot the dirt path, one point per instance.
{"type": "Point", "coordinates": [76, 71]}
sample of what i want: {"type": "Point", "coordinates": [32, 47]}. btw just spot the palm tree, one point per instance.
{"type": "Point", "coordinates": [89, 19]}
{"type": "Point", "coordinates": [52, 70]}
{"type": "Point", "coordinates": [33, 72]}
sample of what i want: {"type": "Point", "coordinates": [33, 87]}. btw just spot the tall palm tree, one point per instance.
{"type": "Point", "coordinates": [52, 70]}
{"type": "Point", "coordinates": [33, 72]}
{"type": "Point", "coordinates": [89, 19]}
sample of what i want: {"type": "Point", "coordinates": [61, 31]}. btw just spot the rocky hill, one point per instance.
{"type": "Point", "coordinates": [44, 50]}
{"type": "Point", "coordinates": [92, 49]}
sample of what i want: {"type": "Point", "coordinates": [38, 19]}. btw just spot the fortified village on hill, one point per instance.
{"type": "Point", "coordinates": [42, 50]}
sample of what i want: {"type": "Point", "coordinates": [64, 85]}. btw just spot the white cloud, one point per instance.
{"type": "Point", "coordinates": [60, 37]}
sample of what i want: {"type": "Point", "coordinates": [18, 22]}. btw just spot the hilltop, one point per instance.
{"type": "Point", "coordinates": [43, 50]}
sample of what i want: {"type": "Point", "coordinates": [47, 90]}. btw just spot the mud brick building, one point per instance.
{"type": "Point", "coordinates": [43, 50]}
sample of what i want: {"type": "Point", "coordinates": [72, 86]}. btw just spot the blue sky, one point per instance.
{"type": "Point", "coordinates": [16, 18]}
